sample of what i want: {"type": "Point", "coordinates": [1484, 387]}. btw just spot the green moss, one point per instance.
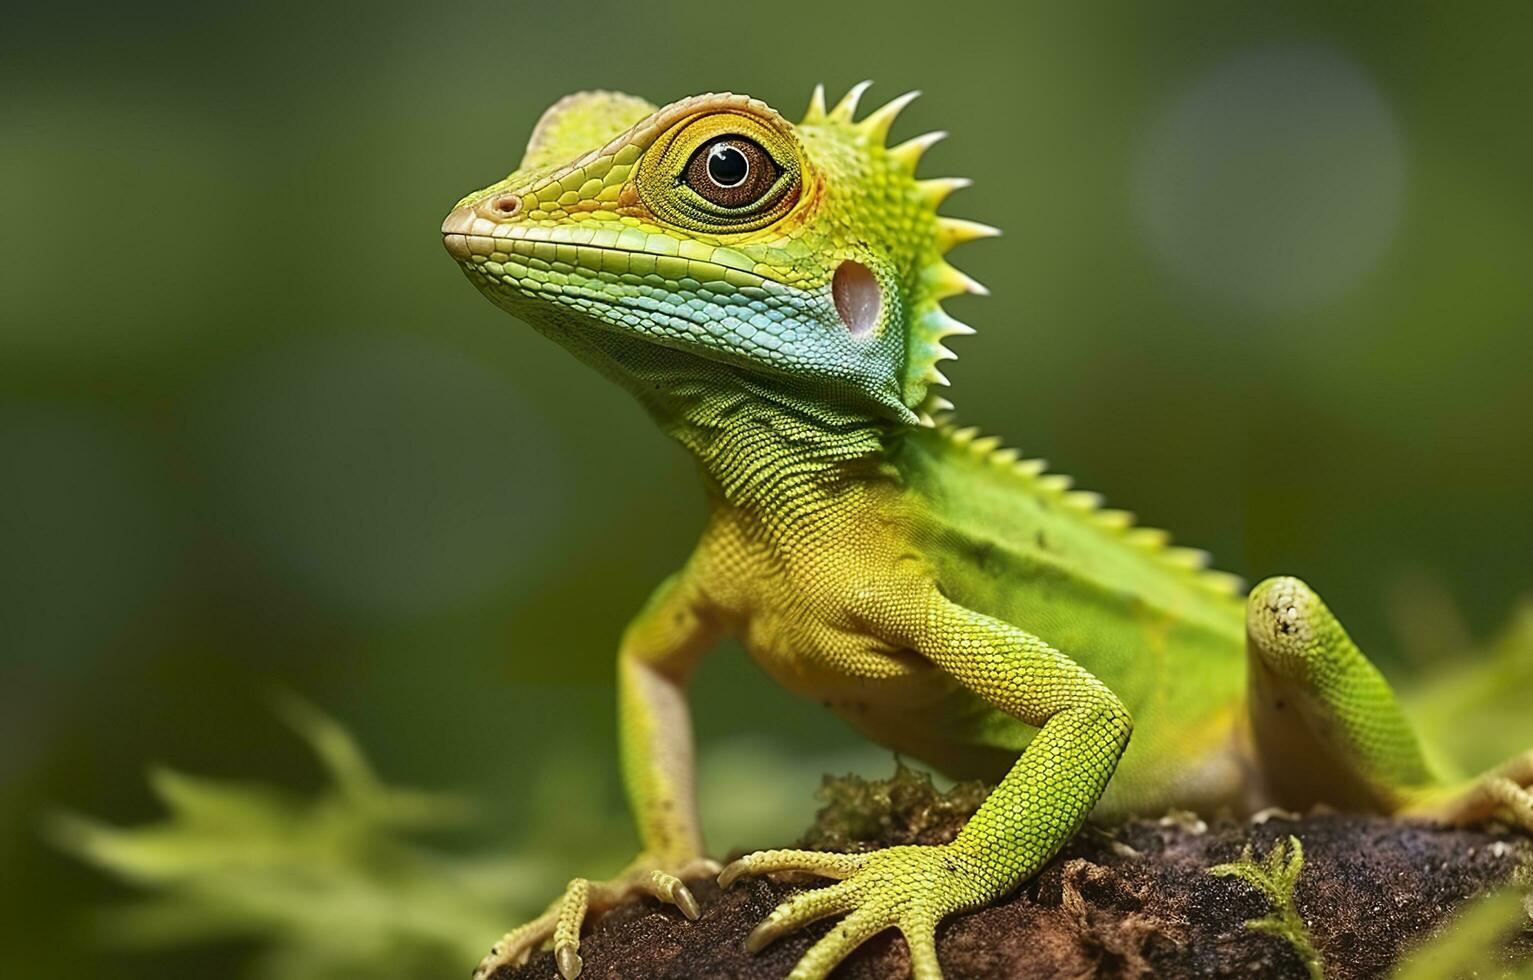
{"type": "Point", "coordinates": [861, 814]}
{"type": "Point", "coordinates": [1276, 877]}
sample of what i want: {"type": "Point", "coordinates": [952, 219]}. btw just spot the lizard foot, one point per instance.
{"type": "Point", "coordinates": [910, 888]}
{"type": "Point", "coordinates": [1505, 792]}
{"type": "Point", "coordinates": [562, 920]}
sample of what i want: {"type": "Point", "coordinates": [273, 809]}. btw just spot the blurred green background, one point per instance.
{"type": "Point", "coordinates": [1267, 280]}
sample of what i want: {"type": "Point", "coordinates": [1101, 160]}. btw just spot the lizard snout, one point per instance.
{"type": "Point", "coordinates": [478, 220]}
{"type": "Point", "coordinates": [455, 231]}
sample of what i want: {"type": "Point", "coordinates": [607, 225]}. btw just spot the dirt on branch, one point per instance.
{"type": "Point", "coordinates": [1136, 900]}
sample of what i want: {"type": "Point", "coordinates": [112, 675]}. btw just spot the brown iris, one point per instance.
{"type": "Point", "coordinates": [731, 172]}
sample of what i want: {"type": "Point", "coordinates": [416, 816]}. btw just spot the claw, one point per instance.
{"type": "Point", "coordinates": [569, 962]}
{"type": "Point", "coordinates": [910, 888]}
{"type": "Point", "coordinates": [669, 888]}
{"type": "Point", "coordinates": [732, 871]}
{"type": "Point", "coordinates": [761, 937]}
{"type": "Point", "coordinates": [684, 901]}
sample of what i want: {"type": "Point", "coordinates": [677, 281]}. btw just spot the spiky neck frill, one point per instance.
{"type": "Point", "coordinates": [892, 195]}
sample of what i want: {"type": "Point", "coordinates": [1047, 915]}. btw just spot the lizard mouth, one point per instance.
{"type": "Point", "coordinates": [457, 228]}
{"type": "Point", "coordinates": [595, 248]}
{"type": "Point", "coordinates": [625, 280]}
{"type": "Point", "coordinates": [580, 248]}
{"type": "Point", "coordinates": [628, 280]}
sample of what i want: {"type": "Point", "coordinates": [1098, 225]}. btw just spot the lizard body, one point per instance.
{"type": "Point", "coordinates": [771, 293]}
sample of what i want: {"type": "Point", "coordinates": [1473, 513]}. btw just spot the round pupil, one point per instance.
{"type": "Point", "coordinates": [727, 166]}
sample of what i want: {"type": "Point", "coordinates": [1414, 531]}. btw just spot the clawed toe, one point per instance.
{"type": "Point", "coordinates": [1515, 800]}
{"type": "Point", "coordinates": [824, 864]}
{"type": "Point", "coordinates": [1505, 793]}
{"type": "Point", "coordinates": [562, 922]}
{"type": "Point", "coordinates": [909, 888]}
{"type": "Point", "coordinates": [799, 911]}
{"type": "Point", "coordinates": [517, 945]}
{"type": "Point", "coordinates": [669, 888]}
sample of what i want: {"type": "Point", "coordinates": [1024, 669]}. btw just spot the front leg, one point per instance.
{"type": "Point", "coordinates": [658, 652]}
{"type": "Point", "coordinates": [1083, 730]}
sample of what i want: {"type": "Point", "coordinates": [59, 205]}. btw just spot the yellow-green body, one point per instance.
{"type": "Point", "coordinates": [1164, 636]}
{"type": "Point", "coordinates": [771, 294]}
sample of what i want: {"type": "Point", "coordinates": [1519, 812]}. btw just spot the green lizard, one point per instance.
{"type": "Point", "coordinates": [771, 293]}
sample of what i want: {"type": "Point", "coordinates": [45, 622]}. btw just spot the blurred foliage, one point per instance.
{"type": "Point", "coordinates": [329, 887]}
{"type": "Point", "coordinates": [347, 881]}
{"type": "Point", "coordinates": [1265, 281]}
{"type": "Point", "coordinates": [1474, 709]}
{"type": "Point", "coordinates": [1472, 945]}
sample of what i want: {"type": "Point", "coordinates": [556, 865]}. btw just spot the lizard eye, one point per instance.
{"type": "Point", "coordinates": [731, 171]}
{"type": "Point", "coordinates": [722, 172]}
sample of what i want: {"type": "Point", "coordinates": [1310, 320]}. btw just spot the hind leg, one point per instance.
{"type": "Point", "coordinates": [1328, 729]}
{"type": "Point", "coordinates": [1326, 724]}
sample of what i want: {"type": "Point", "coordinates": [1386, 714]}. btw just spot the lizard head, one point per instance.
{"type": "Point", "coordinates": [714, 229]}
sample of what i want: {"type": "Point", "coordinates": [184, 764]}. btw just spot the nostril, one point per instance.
{"type": "Point", "coordinates": [505, 204]}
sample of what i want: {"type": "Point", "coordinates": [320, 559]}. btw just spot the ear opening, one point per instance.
{"type": "Point", "coordinates": [858, 297]}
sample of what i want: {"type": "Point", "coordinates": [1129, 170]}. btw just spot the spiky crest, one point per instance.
{"type": "Point", "coordinates": [846, 109]}
{"type": "Point", "coordinates": [935, 279]}
{"type": "Point", "coordinates": [816, 111]}
{"type": "Point", "coordinates": [930, 325]}
{"type": "Point", "coordinates": [1032, 474]}
{"type": "Point", "coordinates": [878, 122]}
{"type": "Point", "coordinates": [908, 153]}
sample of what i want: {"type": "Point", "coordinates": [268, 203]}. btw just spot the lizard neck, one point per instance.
{"type": "Point", "coordinates": [778, 451]}
{"type": "Point", "coordinates": [778, 457]}
{"type": "Point", "coordinates": [775, 449]}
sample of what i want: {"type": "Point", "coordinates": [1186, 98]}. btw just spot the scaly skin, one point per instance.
{"type": "Point", "coordinates": [771, 293]}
